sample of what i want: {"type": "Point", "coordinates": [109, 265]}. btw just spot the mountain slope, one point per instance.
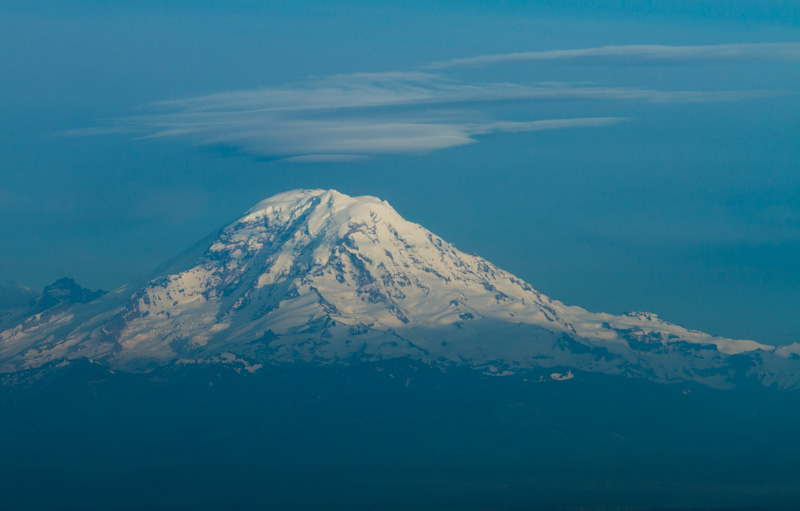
{"type": "Point", "coordinates": [317, 276]}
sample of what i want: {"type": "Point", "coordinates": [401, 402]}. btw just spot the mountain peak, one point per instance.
{"type": "Point", "coordinates": [291, 204]}
{"type": "Point", "coordinates": [322, 277]}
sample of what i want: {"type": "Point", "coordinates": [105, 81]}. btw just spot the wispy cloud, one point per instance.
{"type": "Point", "coordinates": [352, 116]}
{"type": "Point", "coordinates": [347, 117]}
{"type": "Point", "coordinates": [635, 54]}
{"type": "Point", "coordinates": [371, 91]}
{"type": "Point", "coordinates": [345, 139]}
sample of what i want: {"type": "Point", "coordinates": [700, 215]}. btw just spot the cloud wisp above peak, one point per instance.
{"type": "Point", "coordinates": [337, 91]}
{"type": "Point", "coordinates": [349, 117]}
{"type": "Point", "coordinates": [638, 54]}
{"type": "Point", "coordinates": [352, 116]}
{"type": "Point", "coordinates": [340, 139]}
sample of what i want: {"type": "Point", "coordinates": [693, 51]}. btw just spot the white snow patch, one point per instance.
{"type": "Point", "coordinates": [562, 377]}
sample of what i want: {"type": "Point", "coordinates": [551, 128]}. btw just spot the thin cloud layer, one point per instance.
{"type": "Point", "coordinates": [636, 54]}
{"type": "Point", "coordinates": [342, 139]}
{"type": "Point", "coordinates": [353, 116]}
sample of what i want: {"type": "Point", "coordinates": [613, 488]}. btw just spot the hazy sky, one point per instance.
{"type": "Point", "coordinates": [617, 155]}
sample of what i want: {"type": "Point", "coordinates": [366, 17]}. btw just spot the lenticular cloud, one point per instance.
{"type": "Point", "coordinates": [355, 116]}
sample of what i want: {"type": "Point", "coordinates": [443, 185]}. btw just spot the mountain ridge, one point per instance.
{"type": "Point", "coordinates": [321, 277]}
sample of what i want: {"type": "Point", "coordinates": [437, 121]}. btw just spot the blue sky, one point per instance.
{"type": "Point", "coordinates": [617, 155]}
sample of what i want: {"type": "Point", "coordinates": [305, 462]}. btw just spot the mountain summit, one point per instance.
{"type": "Point", "coordinates": [321, 277]}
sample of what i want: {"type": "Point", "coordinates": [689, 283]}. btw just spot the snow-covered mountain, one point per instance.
{"type": "Point", "coordinates": [321, 277]}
